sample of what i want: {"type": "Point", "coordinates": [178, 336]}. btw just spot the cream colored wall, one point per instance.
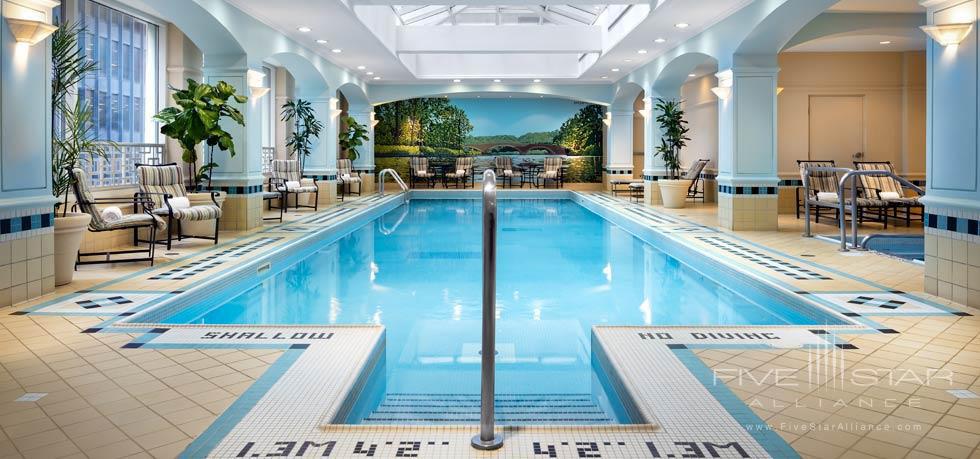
{"type": "Point", "coordinates": [638, 137]}
{"type": "Point", "coordinates": [893, 88]}
{"type": "Point", "coordinates": [701, 109]}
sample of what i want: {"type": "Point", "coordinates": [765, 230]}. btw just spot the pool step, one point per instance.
{"type": "Point", "coordinates": [509, 409]}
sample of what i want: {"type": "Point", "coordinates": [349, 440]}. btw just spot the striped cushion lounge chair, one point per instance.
{"type": "Point", "coordinates": [420, 171]}
{"type": "Point", "coordinates": [694, 175]}
{"type": "Point", "coordinates": [888, 189]}
{"type": "Point", "coordinates": [347, 177]}
{"type": "Point", "coordinates": [824, 186]}
{"type": "Point", "coordinates": [463, 172]}
{"type": "Point", "coordinates": [286, 178]}
{"type": "Point", "coordinates": [158, 184]}
{"type": "Point", "coordinates": [504, 168]}
{"type": "Point", "coordinates": [552, 171]}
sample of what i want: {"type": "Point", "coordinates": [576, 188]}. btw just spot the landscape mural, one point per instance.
{"type": "Point", "coordinates": [528, 128]}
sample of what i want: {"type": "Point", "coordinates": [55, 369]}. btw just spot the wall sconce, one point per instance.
{"type": "Point", "coordinates": [607, 120]}
{"type": "Point", "coordinates": [948, 34]}
{"type": "Point", "coordinates": [779, 90]}
{"type": "Point", "coordinates": [335, 110]}
{"type": "Point", "coordinates": [28, 31]}
{"type": "Point", "coordinates": [723, 92]}
{"type": "Point", "coordinates": [374, 121]}
{"type": "Point", "coordinates": [255, 83]}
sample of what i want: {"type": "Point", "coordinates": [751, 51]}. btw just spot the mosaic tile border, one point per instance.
{"type": "Point", "coordinates": [953, 224]}
{"type": "Point", "coordinates": [238, 190]}
{"type": "Point", "coordinates": [748, 190]}
{"type": "Point", "coordinates": [13, 225]}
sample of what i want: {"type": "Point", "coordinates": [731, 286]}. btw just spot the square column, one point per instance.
{"type": "Point", "coordinates": [748, 184]}
{"type": "Point", "coordinates": [653, 166]}
{"type": "Point", "coordinates": [239, 177]}
{"type": "Point", "coordinates": [322, 162]}
{"type": "Point", "coordinates": [364, 165]}
{"type": "Point", "coordinates": [619, 146]}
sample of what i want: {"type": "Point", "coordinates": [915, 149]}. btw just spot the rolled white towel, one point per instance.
{"type": "Point", "coordinates": [886, 195]}
{"type": "Point", "coordinates": [345, 176]}
{"type": "Point", "coordinates": [179, 202]}
{"type": "Point", "coordinates": [420, 172]}
{"type": "Point", "coordinates": [460, 171]}
{"type": "Point", "coordinates": [829, 197]}
{"type": "Point", "coordinates": [292, 184]}
{"type": "Point", "coordinates": [111, 214]}
{"type": "Point", "coordinates": [508, 172]}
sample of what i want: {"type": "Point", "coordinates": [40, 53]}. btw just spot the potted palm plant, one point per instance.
{"type": "Point", "coordinates": [673, 190]}
{"type": "Point", "coordinates": [306, 128]}
{"type": "Point", "coordinates": [352, 137]}
{"type": "Point", "coordinates": [73, 141]}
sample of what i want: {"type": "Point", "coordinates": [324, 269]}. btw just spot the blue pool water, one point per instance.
{"type": "Point", "coordinates": [561, 270]}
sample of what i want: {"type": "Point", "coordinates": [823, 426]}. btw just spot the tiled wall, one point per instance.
{"type": "Point", "coordinates": [26, 255]}
{"type": "Point", "coordinates": [241, 212]}
{"type": "Point", "coordinates": [747, 212]}
{"type": "Point", "coordinates": [953, 257]}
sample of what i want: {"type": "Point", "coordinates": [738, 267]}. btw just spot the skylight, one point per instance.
{"type": "Point", "coordinates": [429, 15]}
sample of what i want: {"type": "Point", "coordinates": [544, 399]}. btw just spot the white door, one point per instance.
{"type": "Point", "coordinates": [837, 129]}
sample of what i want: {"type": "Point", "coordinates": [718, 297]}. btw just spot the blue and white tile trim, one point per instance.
{"type": "Point", "coordinates": [953, 224]}
{"type": "Point", "coordinates": [239, 190]}
{"type": "Point", "coordinates": [22, 223]}
{"type": "Point", "coordinates": [748, 190]}
{"type": "Point", "coordinates": [324, 177]}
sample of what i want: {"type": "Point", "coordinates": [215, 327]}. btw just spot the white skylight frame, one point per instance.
{"type": "Point", "coordinates": [428, 15]}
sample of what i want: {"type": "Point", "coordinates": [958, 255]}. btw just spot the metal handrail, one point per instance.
{"type": "Point", "coordinates": [394, 175]}
{"type": "Point", "coordinates": [486, 439]}
{"type": "Point", "coordinates": [852, 175]}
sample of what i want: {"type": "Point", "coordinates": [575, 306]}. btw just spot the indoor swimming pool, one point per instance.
{"type": "Point", "coordinates": [561, 270]}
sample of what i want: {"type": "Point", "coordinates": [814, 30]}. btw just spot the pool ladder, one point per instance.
{"type": "Point", "coordinates": [487, 439]}
{"type": "Point", "coordinates": [394, 175]}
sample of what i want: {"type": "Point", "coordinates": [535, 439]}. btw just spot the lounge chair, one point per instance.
{"type": "Point", "coordinates": [162, 183]}
{"type": "Point", "coordinates": [504, 169]}
{"type": "Point", "coordinates": [287, 179]}
{"type": "Point", "coordinates": [694, 175]}
{"type": "Point", "coordinates": [552, 171]}
{"type": "Point", "coordinates": [419, 172]}
{"type": "Point", "coordinates": [823, 194]}
{"type": "Point", "coordinates": [889, 190]}
{"type": "Point", "coordinates": [463, 172]}
{"type": "Point", "coordinates": [140, 218]}
{"type": "Point", "coordinates": [616, 185]}
{"type": "Point", "coordinates": [347, 177]}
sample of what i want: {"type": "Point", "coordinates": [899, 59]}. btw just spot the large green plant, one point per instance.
{"type": "Point", "coordinates": [306, 128]}
{"type": "Point", "coordinates": [674, 134]}
{"type": "Point", "coordinates": [197, 118]}
{"type": "Point", "coordinates": [73, 134]}
{"type": "Point", "coordinates": [352, 137]}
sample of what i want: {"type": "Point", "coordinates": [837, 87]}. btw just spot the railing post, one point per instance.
{"type": "Point", "coordinates": [486, 439]}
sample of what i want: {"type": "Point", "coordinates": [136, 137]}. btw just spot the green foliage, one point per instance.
{"type": "Point", "coordinates": [674, 137]}
{"type": "Point", "coordinates": [419, 122]}
{"type": "Point", "coordinates": [352, 137]}
{"type": "Point", "coordinates": [196, 119]}
{"type": "Point", "coordinates": [582, 134]}
{"type": "Point", "coordinates": [73, 136]}
{"type": "Point", "coordinates": [306, 128]}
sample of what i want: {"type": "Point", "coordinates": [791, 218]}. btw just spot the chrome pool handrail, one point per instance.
{"type": "Point", "coordinates": [394, 175]}
{"type": "Point", "coordinates": [486, 439]}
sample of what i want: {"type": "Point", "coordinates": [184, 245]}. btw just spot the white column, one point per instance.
{"type": "Point", "coordinates": [285, 91]}
{"type": "Point", "coordinates": [239, 176]}
{"type": "Point", "coordinates": [653, 165]}
{"type": "Point", "coordinates": [619, 145]}
{"type": "Point", "coordinates": [364, 165]}
{"type": "Point", "coordinates": [748, 183]}
{"type": "Point", "coordinates": [322, 162]}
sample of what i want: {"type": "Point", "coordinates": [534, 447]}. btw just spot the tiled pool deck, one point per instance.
{"type": "Point", "coordinates": [879, 387]}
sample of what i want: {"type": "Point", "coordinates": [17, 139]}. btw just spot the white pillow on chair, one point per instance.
{"type": "Point", "coordinates": [829, 197]}
{"type": "Point", "coordinates": [460, 171]}
{"type": "Point", "coordinates": [180, 202]}
{"type": "Point", "coordinates": [886, 195]}
{"type": "Point", "coordinates": [292, 184]}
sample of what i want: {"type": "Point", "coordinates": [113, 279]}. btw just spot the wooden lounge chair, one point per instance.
{"type": "Point", "coordinates": [161, 183]}
{"type": "Point", "coordinates": [287, 179]}
{"type": "Point", "coordinates": [889, 190]}
{"type": "Point", "coordinates": [552, 171]}
{"type": "Point", "coordinates": [140, 218]}
{"type": "Point", "coordinates": [420, 172]}
{"type": "Point", "coordinates": [504, 169]}
{"type": "Point", "coordinates": [347, 177]}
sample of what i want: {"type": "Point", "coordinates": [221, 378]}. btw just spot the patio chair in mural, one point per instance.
{"type": "Point", "coordinates": [111, 218]}
{"type": "Point", "coordinates": [419, 172]}
{"type": "Point", "coordinates": [463, 173]}
{"type": "Point", "coordinates": [287, 179]}
{"type": "Point", "coordinates": [694, 175]}
{"type": "Point", "coordinates": [347, 177]}
{"type": "Point", "coordinates": [824, 186]}
{"type": "Point", "coordinates": [504, 169]}
{"type": "Point", "coordinates": [889, 190]}
{"type": "Point", "coordinates": [552, 171]}
{"type": "Point", "coordinates": [163, 186]}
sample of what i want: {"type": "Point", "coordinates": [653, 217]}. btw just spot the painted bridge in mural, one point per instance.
{"type": "Point", "coordinates": [551, 148]}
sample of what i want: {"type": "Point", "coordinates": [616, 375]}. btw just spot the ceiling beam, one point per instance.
{"type": "Point", "coordinates": [497, 2]}
{"type": "Point", "coordinates": [513, 39]}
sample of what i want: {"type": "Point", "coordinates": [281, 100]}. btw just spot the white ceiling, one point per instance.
{"type": "Point", "coordinates": [914, 40]}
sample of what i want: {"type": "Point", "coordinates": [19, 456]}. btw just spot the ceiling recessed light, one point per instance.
{"type": "Point", "coordinates": [886, 42]}
{"type": "Point", "coordinates": [641, 51]}
{"type": "Point", "coordinates": [682, 25]}
{"type": "Point", "coordinates": [376, 78]}
{"type": "Point", "coordinates": [336, 50]}
{"type": "Point", "coordinates": [303, 29]}
{"type": "Point", "coordinates": [361, 67]}
{"type": "Point", "coordinates": [322, 41]}
{"type": "Point", "coordinates": [536, 80]}
{"type": "Point", "coordinates": [496, 81]}
{"type": "Point", "coordinates": [457, 80]}
{"type": "Point", "coordinates": [370, 73]}
{"type": "Point", "coordinates": [691, 75]}
{"type": "Point", "coordinates": [615, 70]}
{"type": "Point", "coordinates": [659, 40]}
{"type": "Point", "coordinates": [603, 77]}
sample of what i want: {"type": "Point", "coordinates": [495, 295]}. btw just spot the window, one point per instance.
{"type": "Point", "coordinates": [123, 92]}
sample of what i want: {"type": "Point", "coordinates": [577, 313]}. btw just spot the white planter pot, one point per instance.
{"type": "Point", "coordinates": [68, 231]}
{"type": "Point", "coordinates": [674, 192]}
{"type": "Point", "coordinates": [202, 227]}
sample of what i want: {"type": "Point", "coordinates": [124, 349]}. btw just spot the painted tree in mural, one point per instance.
{"type": "Point", "coordinates": [582, 133]}
{"type": "Point", "coordinates": [433, 122]}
